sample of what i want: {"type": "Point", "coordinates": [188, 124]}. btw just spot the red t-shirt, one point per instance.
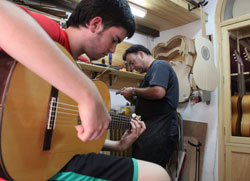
{"type": "Point", "coordinates": [52, 28]}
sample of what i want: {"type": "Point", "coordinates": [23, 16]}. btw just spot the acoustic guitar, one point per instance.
{"type": "Point", "coordinates": [245, 122]}
{"type": "Point", "coordinates": [237, 99]}
{"type": "Point", "coordinates": [38, 135]}
{"type": "Point", "coordinates": [204, 71]}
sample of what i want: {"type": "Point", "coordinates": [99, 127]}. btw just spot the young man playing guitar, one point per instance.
{"type": "Point", "coordinates": [95, 28]}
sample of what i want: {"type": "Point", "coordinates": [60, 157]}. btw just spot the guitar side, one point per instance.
{"type": "Point", "coordinates": [236, 115]}
{"type": "Point", "coordinates": [245, 122]}
{"type": "Point", "coordinates": [23, 121]}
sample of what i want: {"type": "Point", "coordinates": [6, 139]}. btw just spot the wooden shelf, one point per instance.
{"type": "Point", "coordinates": [115, 79]}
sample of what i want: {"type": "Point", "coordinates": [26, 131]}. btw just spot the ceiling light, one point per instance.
{"type": "Point", "coordinates": [137, 10]}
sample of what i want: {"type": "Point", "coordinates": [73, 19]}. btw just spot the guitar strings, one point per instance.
{"type": "Point", "coordinates": [65, 116]}
{"type": "Point", "coordinates": [62, 121]}
{"type": "Point", "coordinates": [120, 117]}
{"type": "Point", "coordinates": [76, 110]}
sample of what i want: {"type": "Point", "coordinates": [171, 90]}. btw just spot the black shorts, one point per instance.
{"type": "Point", "coordinates": [98, 167]}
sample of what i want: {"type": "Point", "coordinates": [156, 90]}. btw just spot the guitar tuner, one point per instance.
{"type": "Point", "coordinates": [235, 58]}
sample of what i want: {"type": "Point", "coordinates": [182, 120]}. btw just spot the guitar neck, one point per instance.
{"type": "Point", "coordinates": [240, 77]}
{"type": "Point", "coordinates": [119, 121]}
{"type": "Point", "coordinates": [203, 24]}
{"type": "Point", "coordinates": [241, 81]}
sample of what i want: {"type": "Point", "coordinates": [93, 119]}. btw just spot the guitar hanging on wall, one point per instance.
{"type": "Point", "coordinates": [237, 99]}
{"type": "Point", "coordinates": [204, 70]}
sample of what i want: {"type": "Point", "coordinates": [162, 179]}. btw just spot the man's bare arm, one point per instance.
{"type": "Point", "coordinates": [23, 39]}
{"type": "Point", "coordinates": [128, 138]}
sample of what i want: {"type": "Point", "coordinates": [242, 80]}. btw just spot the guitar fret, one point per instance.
{"type": "Point", "coordinates": [119, 121]}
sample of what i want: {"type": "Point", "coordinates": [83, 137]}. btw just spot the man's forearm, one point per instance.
{"type": "Point", "coordinates": [151, 93]}
{"type": "Point", "coordinates": [30, 43]}
{"type": "Point", "coordinates": [110, 145]}
{"type": "Point", "coordinates": [24, 40]}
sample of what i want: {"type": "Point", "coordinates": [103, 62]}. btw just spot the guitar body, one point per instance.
{"type": "Point", "coordinates": [237, 100]}
{"type": "Point", "coordinates": [182, 71]}
{"type": "Point", "coordinates": [204, 71]}
{"type": "Point", "coordinates": [245, 122]}
{"type": "Point", "coordinates": [24, 113]}
{"type": "Point", "coordinates": [236, 115]}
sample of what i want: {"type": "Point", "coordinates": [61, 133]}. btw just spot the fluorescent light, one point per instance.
{"type": "Point", "coordinates": [137, 10]}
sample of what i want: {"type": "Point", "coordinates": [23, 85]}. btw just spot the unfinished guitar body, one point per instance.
{"type": "Point", "coordinates": [178, 51]}
{"type": "Point", "coordinates": [182, 72]}
{"type": "Point", "coordinates": [204, 71]}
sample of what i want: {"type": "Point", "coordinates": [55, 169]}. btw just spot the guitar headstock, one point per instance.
{"type": "Point", "coordinates": [237, 58]}
{"type": "Point", "coordinates": [246, 54]}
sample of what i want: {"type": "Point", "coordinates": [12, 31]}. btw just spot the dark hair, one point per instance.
{"type": "Point", "coordinates": [135, 49]}
{"type": "Point", "coordinates": [113, 13]}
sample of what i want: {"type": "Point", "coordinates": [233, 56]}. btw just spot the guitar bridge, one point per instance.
{"type": "Point", "coordinates": [51, 121]}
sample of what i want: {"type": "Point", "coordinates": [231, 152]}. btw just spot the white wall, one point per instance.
{"type": "Point", "coordinates": [200, 112]}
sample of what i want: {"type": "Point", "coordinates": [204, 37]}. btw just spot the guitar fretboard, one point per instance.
{"type": "Point", "coordinates": [119, 121]}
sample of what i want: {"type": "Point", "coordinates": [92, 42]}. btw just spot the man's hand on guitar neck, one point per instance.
{"type": "Point", "coordinates": [128, 138]}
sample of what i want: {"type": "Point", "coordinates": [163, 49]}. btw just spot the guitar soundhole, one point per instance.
{"type": "Point", "coordinates": [205, 52]}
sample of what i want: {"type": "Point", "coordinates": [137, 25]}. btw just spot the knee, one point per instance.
{"type": "Point", "coordinates": [150, 171]}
